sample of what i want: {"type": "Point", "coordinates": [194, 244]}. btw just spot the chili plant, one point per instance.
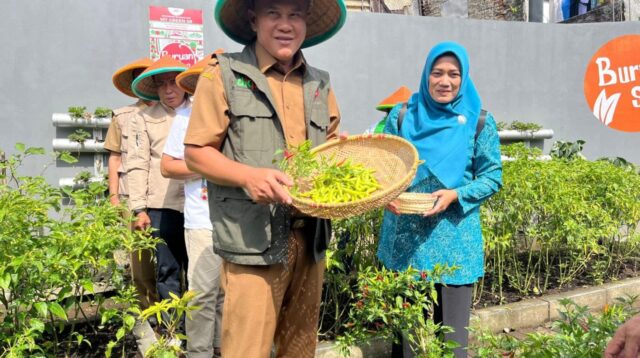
{"type": "Point", "coordinates": [554, 219]}
{"type": "Point", "coordinates": [53, 256]}
{"type": "Point", "coordinates": [577, 333]}
{"type": "Point", "coordinates": [390, 304]}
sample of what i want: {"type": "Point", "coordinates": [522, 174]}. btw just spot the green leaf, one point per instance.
{"type": "Point", "coordinates": [88, 286]}
{"type": "Point", "coordinates": [67, 158]}
{"type": "Point", "coordinates": [110, 347]}
{"type": "Point", "coordinates": [129, 321]}
{"type": "Point", "coordinates": [57, 310]}
{"type": "Point", "coordinates": [36, 325]}
{"type": "Point", "coordinates": [20, 147]}
{"type": "Point", "coordinates": [41, 308]}
{"type": "Point", "coordinates": [120, 333]}
{"type": "Point", "coordinates": [35, 150]}
{"type": "Point", "coordinates": [5, 281]}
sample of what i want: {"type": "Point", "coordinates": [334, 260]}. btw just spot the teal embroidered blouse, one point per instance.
{"type": "Point", "coordinates": [453, 237]}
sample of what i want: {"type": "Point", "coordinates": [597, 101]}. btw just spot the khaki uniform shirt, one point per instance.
{"type": "Point", "coordinates": [209, 121]}
{"type": "Point", "coordinates": [116, 140]}
{"type": "Point", "coordinates": [147, 187]}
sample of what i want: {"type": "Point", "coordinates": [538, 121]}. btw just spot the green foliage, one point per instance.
{"type": "Point", "coordinates": [579, 333]}
{"type": "Point", "coordinates": [169, 314]}
{"type": "Point", "coordinates": [102, 112]}
{"type": "Point", "coordinates": [79, 135]}
{"type": "Point", "coordinates": [568, 150]}
{"type": "Point", "coordinates": [554, 219]}
{"type": "Point", "coordinates": [388, 304]}
{"type": "Point", "coordinates": [520, 151]}
{"type": "Point", "coordinates": [78, 112]}
{"type": "Point", "coordinates": [83, 177]}
{"type": "Point", "coordinates": [124, 313]}
{"type": "Point", "coordinates": [354, 247]}
{"type": "Point", "coordinates": [51, 255]}
{"type": "Point", "coordinates": [518, 126]}
{"type": "Point", "coordinates": [623, 163]}
{"type": "Point", "coordinates": [66, 157]}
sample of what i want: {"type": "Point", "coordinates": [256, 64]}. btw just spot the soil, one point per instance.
{"type": "Point", "coordinates": [488, 299]}
{"type": "Point", "coordinates": [98, 340]}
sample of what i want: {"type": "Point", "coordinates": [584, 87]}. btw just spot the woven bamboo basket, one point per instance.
{"type": "Point", "coordinates": [415, 203]}
{"type": "Point", "coordinates": [394, 160]}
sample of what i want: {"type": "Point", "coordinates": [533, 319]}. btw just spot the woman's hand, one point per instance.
{"type": "Point", "coordinates": [393, 207]}
{"type": "Point", "coordinates": [444, 198]}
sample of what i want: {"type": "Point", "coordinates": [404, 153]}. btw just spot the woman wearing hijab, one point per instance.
{"type": "Point", "coordinates": [461, 168]}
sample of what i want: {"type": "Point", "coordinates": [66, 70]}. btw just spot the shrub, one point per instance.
{"type": "Point", "coordinates": [578, 333]}
{"type": "Point", "coordinates": [51, 257]}
{"type": "Point", "coordinates": [388, 304]}
{"type": "Point", "coordinates": [553, 219]}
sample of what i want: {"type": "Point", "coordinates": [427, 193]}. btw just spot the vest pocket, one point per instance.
{"type": "Point", "coordinates": [241, 226]}
{"type": "Point", "coordinates": [251, 120]}
{"type": "Point", "coordinates": [319, 123]}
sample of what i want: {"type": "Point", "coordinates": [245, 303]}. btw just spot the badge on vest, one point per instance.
{"type": "Point", "coordinates": [245, 83]}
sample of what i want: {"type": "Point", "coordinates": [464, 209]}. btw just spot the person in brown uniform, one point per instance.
{"type": "Point", "coordinates": [154, 200]}
{"type": "Point", "coordinates": [116, 143]}
{"type": "Point", "coordinates": [247, 106]}
{"type": "Point", "coordinates": [141, 263]}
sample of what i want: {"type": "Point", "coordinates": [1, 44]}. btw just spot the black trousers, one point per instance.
{"type": "Point", "coordinates": [171, 252]}
{"type": "Point", "coordinates": [453, 309]}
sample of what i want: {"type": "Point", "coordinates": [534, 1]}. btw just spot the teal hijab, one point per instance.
{"type": "Point", "coordinates": [443, 132]}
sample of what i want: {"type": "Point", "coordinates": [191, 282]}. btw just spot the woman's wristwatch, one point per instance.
{"type": "Point", "coordinates": [136, 212]}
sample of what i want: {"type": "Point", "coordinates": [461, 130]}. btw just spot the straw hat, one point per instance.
{"type": "Point", "coordinates": [123, 77]}
{"type": "Point", "coordinates": [325, 18]}
{"type": "Point", "coordinates": [144, 87]}
{"type": "Point", "coordinates": [401, 95]}
{"type": "Point", "coordinates": [188, 79]}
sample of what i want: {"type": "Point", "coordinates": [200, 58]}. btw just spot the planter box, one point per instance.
{"type": "Point", "coordinates": [530, 138]}
{"type": "Point", "coordinates": [65, 120]}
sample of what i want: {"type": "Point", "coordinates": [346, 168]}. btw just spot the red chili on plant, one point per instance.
{"type": "Point", "coordinates": [288, 154]}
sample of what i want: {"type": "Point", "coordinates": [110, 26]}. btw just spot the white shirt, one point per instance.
{"type": "Point", "coordinates": [196, 205]}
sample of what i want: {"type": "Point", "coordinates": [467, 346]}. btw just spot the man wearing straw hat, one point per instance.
{"type": "Point", "coordinates": [203, 328]}
{"type": "Point", "coordinates": [154, 200]}
{"type": "Point", "coordinates": [247, 106]}
{"type": "Point", "coordinates": [142, 267]}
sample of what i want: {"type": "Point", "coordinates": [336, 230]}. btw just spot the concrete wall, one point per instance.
{"type": "Point", "coordinates": [62, 53]}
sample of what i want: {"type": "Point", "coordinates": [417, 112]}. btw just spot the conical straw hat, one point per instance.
{"type": "Point", "coordinates": [325, 19]}
{"type": "Point", "coordinates": [188, 79]}
{"type": "Point", "coordinates": [123, 77]}
{"type": "Point", "coordinates": [144, 87]}
{"type": "Point", "coordinates": [401, 95]}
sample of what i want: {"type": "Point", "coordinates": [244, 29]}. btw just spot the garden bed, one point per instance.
{"type": "Point", "coordinates": [555, 225]}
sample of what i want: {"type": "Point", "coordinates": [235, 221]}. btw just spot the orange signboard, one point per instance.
{"type": "Point", "coordinates": [612, 84]}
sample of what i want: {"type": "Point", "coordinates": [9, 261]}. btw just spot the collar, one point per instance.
{"type": "Point", "coordinates": [266, 61]}
{"type": "Point", "coordinates": [185, 104]}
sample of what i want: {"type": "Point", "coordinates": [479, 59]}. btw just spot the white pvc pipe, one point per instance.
{"type": "Point", "coordinates": [543, 158]}
{"type": "Point", "coordinates": [65, 120]}
{"type": "Point", "coordinates": [514, 135]}
{"type": "Point", "coordinates": [89, 146]}
{"type": "Point", "coordinates": [72, 183]}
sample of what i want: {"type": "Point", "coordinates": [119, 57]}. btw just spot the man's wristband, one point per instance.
{"type": "Point", "coordinates": [137, 212]}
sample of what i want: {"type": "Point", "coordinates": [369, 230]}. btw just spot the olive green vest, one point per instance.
{"type": "Point", "coordinates": [245, 232]}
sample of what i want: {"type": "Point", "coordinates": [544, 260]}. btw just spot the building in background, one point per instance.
{"type": "Point", "coordinates": [565, 11]}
